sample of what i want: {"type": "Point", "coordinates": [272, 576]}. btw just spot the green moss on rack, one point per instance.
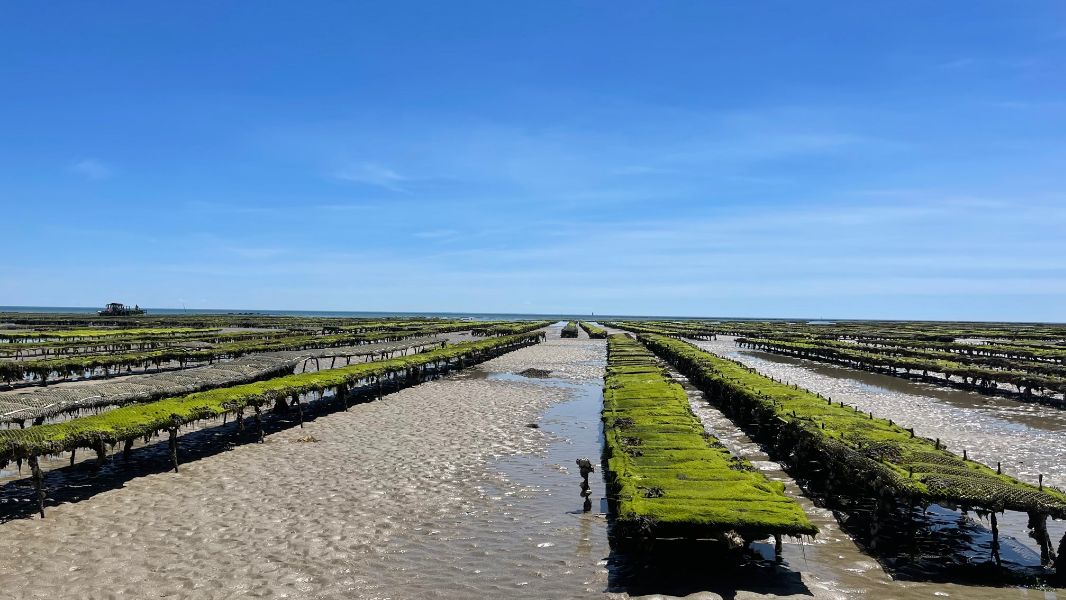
{"type": "Point", "coordinates": [984, 377]}
{"type": "Point", "coordinates": [669, 476]}
{"type": "Point", "coordinates": [132, 422]}
{"type": "Point", "coordinates": [78, 364]}
{"type": "Point", "coordinates": [870, 452]}
{"type": "Point", "coordinates": [85, 333]}
{"type": "Point", "coordinates": [507, 328]}
{"type": "Point", "coordinates": [594, 331]}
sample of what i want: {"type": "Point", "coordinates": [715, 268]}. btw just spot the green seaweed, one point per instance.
{"type": "Point", "coordinates": [869, 452]}
{"type": "Point", "coordinates": [595, 332]}
{"type": "Point", "coordinates": [141, 420]}
{"type": "Point", "coordinates": [671, 478]}
{"type": "Point", "coordinates": [69, 365]}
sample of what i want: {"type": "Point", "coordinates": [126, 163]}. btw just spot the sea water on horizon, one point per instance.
{"type": "Point", "coordinates": [475, 316]}
{"type": "Point", "coordinates": [332, 313]}
{"type": "Point", "coordinates": [484, 316]}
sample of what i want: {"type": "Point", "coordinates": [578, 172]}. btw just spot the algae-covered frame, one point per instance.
{"type": "Point", "coordinates": [139, 420]}
{"type": "Point", "coordinates": [873, 451]}
{"type": "Point", "coordinates": [670, 478]}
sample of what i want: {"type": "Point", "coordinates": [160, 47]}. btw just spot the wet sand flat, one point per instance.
{"type": "Point", "coordinates": [290, 518]}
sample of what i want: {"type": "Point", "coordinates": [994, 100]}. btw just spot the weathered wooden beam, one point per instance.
{"type": "Point", "coordinates": [259, 422]}
{"type": "Point", "coordinates": [101, 454]}
{"type": "Point", "coordinates": [174, 447]}
{"type": "Point", "coordinates": [995, 540]}
{"type": "Point", "coordinates": [38, 483]}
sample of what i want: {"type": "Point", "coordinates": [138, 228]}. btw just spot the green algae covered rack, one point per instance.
{"type": "Point", "coordinates": [668, 476]}
{"type": "Point", "coordinates": [131, 422]}
{"type": "Point", "coordinates": [857, 454]}
{"type": "Point", "coordinates": [595, 332]}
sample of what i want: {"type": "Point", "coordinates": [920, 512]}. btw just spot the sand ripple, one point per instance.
{"type": "Point", "coordinates": [325, 519]}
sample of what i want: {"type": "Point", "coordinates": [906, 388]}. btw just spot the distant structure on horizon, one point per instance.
{"type": "Point", "coordinates": [118, 309]}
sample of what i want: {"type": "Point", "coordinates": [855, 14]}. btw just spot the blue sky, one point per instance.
{"type": "Point", "coordinates": [809, 159]}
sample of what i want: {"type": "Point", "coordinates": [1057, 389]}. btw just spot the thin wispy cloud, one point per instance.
{"type": "Point", "coordinates": [1028, 105]}
{"type": "Point", "coordinates": [342, 207]}
{"type": "Point", "coordinates": [257, 253]}
{"type": "Point", "coordinates": [92, 168]}
{"type": "Point", "coordinates": [374, 174]}
{"type": "Point", "coordinates": [436, 234]}
{"type": "Point", "coordinates": [640, 170]}
{"type": "Point", "coordinates": [957, 63]}
{"type": "Point", "coordinates": [1020, 64]}
{"type": "Point", "coordinates": [232, 208]}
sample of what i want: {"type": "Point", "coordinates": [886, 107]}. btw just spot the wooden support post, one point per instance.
{"type": "Point", "coordinates": [995, 541]}
{"type": "Point", "coordinates": [101, 454]}
{"type": "Point", "coordinates": [38, 483]}
{"type": "Point", "coordinates": [1060, 565]}
{"type": "Point", "coordinates": [281, 405]}
{"type": "Point", "coordinates": [1038, 531]}
{"type": "Point", "coordinates": [259, 422]}
{"type": "Point", "coordinates": [174, 447]}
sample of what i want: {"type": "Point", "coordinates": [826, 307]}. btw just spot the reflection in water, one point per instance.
{"type": "Point", "coordinates": [683, 567]}
{"type": "Point", "coordinates": [671, 567]}
{"type": "Point", "coordinates": [584, 544]}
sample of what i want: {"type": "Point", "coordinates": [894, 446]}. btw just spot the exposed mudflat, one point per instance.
{"type": "Point", "coordinates": [443, 490]}
{"type": "Point", "coordinates": [343, 516]}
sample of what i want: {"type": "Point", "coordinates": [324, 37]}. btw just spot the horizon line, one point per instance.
{"type": "Point", "coordinates": [590, 316]}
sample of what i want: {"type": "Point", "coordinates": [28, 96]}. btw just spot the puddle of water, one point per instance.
{"type": "Point", "coordinates": [523, 533]}
{"type": "Point", "coordinates": [548, 503]}
{"type": "Point", "coordinates": [538, 380]}
{"type": "Point", "coordinates": [545, 538]}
